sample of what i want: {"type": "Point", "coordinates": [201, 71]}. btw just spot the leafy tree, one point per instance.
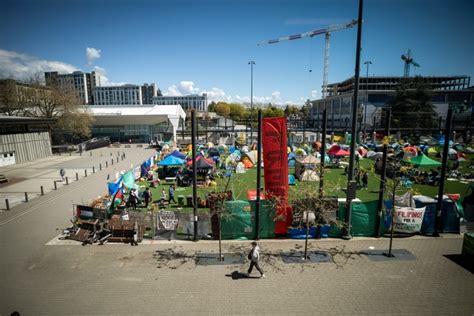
{"type": "Point", "coordinates": [237, 111]}
{"type": "Point", "coordinates": [222, 109]}
{"type": "Point", "coordinates": [211, 107]}
{"type": "Point", "coordinates": [411, 106]}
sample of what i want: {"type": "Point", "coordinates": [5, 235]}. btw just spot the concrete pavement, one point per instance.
{"type": "Point", "coordinates": [118, 279]}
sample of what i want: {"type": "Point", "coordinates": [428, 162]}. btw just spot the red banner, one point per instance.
{"type": "Point", "coordinates": [275, 160]}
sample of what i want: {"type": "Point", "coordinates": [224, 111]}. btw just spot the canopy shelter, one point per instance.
{"type": "Point", "coordinates": [337, 151]}
{"type": "Point", "coordinates": [171, 161]}
{"type": "Point", "coordinates": [424, 161]}
{"type": "Point", "coordinates": [307, 163]}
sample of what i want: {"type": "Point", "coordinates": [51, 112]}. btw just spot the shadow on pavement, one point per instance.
{"type": "Point", "coordinates": [236, 275]}
{"type": "Point", "coordinates": [467, 262]}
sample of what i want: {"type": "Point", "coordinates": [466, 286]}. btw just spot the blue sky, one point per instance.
{"type": "Point", "coordinates": [204, 46]}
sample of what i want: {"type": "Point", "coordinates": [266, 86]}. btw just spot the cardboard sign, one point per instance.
{"type": "Point", "coordinates": [408, 219]}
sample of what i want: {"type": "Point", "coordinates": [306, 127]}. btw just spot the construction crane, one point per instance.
{"type": "Point", "coordinates": [327, 31]}
{"type": "Point", "coordinates": [408, 61]}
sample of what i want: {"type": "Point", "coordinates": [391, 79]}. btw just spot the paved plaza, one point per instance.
{"type": "Point", "coordinates": [38, 277]}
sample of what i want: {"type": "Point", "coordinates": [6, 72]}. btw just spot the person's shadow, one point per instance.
{"type": "Point", "coordinates": [236, 275]}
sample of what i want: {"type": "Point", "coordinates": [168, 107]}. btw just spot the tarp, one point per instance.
{"type": "Point", "coordinates": [276, 166]}
{"type": "Point", "coordinates": [171, 161]}
{"type": "Point", "coordinates": [236, 220]}
{"type": "Point", "coordinates": [129, 180]}
{"type": "Point", "coordinates": [114, 186]}
{"type": "Point", "coordinates": [364, 219]}
{"type": "Point", "coordinates": [178, 154]}
{"type": "Point", "coordinates": [423, 160]}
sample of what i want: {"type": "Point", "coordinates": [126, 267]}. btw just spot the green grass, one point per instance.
{"type": "Point", "coordinates": [334, 182]}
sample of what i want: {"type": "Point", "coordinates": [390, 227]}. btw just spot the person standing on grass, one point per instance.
{"type": "Point", "coordinates": [171, 194]}
{"type": "Point", "coordinates": [147, 197]}
{"type": "Point", "coordinates": [365, 180]}
{"type": "Point", "coordinates": [254, 257]}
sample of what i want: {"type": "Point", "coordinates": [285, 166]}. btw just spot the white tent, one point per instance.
{"type": "Point", "coordinates": [309, 176]}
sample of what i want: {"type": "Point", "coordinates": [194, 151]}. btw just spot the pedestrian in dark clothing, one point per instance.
{"type": "Point", "coordinates": [147, 197]}
{"type": "Point", "coordinates": [365, 180]}
{"type": "Point", "coordinates": [171, 194]}
{"type": "Point", "coordinates": [357, 177]}
{"type": "Point", "coordinates": [254, 257]}
{"type": "Point", "coordinates": [62, 173]}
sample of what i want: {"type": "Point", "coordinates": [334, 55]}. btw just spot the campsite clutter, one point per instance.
{"type": "Point", "coordinates": [135, 207]}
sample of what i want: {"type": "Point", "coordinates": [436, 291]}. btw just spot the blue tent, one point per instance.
{"type": "Point", "coordinates": [171, 161]}
{"type": "Point", "coordinates": [114, 186]}
{"type": "Point", "coordinates": [177, 154]}
{"type": "Point", "coordinates": [291, 159]}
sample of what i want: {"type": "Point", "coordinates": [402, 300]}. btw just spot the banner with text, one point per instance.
{"type": "Point", "coordinates": [408, 219]}
{"type": "Point", "coordinates": [275, 158]}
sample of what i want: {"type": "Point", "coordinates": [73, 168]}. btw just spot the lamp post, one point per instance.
{"type": "Point", "coordinates": [251, 63]}
{"type": "Point", "coordinates": [368, 62]}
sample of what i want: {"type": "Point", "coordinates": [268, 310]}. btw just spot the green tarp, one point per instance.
{"type": "Point", "coordinates": [468, 244]}
{"type": "Point", "coordinates": [238, 220]}
{"type": "Point", "coordinates": [129, 180]}
{"type": "Point", "coordinates": [364, 219]}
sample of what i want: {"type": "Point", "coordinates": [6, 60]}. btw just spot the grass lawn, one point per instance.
{"type": "Point", "coordinates": [335, 184]}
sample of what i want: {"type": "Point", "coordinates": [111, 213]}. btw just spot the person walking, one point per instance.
{"type": "Point", "coordinates": [163, 196]}
{"type": "Point", "coordinates": [147, 197]}
{"type": "Point", "coordinates": [62, 173]}
{"type": "Point", "coordinates": [171, 194]}
{"type": "Point", "coordinates": [254, 257]}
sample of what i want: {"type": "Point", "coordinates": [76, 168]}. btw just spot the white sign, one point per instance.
{"type": "Point", "coordinates": [408, 219]}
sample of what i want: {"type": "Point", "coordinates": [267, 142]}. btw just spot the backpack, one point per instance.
{"type": "Point", "coordinates": [250, 255]}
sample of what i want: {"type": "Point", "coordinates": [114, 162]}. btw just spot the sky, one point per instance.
{"type": "Point", "coordinates": [204, 46]}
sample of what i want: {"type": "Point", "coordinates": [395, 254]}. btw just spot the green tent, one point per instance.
{"type": "Point", "coordinates": [424, 161]}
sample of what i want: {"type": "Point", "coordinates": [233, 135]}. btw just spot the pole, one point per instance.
{"type": "Point", "coordinates": [182, 128]}
{"type": "Point", "coordinates": [42, 190]}
{"type": "Point", "coordinates": [351, 184]}
{"type": "Point", "coordinates": [323, 154]}
{"type": "Point", "coordinates": [444, 166]}
{"type": "Point", "coordinates": [366, 94]}
{"type": "Point", "coordinates": [251, 63]}
{"type": "Point", "coordinates": [26, 197]}
{"type": "Point", "coordinates": [383, 175]}
{"type": "Point", "coordinates": [193, 144]}
{"type": "Point", "coordinates": [259, 177]}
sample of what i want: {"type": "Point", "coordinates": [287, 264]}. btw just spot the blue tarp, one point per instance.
{"type": "Point", "coordinates": [171, 161]}
{"type": "Point", "coordinates": [177, 154]}
{"type": "Point", "coordinates": [114, 186]}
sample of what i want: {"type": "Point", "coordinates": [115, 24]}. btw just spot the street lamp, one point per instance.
{"type": "Point", "coordinates": [366, 93]}
{"type": "Point", "coordinates": [251, 63]}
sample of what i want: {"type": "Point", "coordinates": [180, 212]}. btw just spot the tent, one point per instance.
{"type": "Point", "coordinates": [362, 151]}
{"type": "Point", "coordinates": [309, 176]}
{"type": "Point", "coordinates": [307, 163]}
{"type": "Point", "coordinates": [213, 152]}
{"type": "Point", "coordinates": [240, 168]}
{"type": "Point", "coordinates": [201, 163]}
{"type": "Point", "coordinates": [423, 160]}
{"type": "Point", "coordinates": [249, 159]}
{"type": "Point", "coordinates": [337, 151]}
{"type": "Point", "coordinates": [291, 179]}
{"type": "Point", "coordinates": [432, 151]}
{"type": "Point", "coordinates": [373, 155]}
{"type": "Point", "coordinates": [178, 154]}
{"type": "Point", "coordinates": [171, 161]}
{"type": "Point", "coordinates": [291, 159]}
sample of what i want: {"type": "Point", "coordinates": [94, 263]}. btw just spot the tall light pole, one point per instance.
{"type": "Point", "coordinates": [368, 62]}
{"type": "Point", "coordinates": [251, 63]}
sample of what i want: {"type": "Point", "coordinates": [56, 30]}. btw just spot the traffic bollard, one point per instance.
{"type": "Point", "coordinates": [67, 180]}
{"type": "Point", "coordinates": [26, 197]}
{"type": "Point", "coordinates": [100, 166]}
{"type": "Point", "coordinates": [90, 153]}
{"type": "Point", "coordinates": [112, 161]}
{"type": "Point", "coordinates": [93, 169]}
{"type": "Point", "coordinates": [117, 159]}
{"type": "Point", "coordinates": [106, 164]}
{"type": "Point", "coordinates": [77, 176]}
{"type": "Point", "coordinates": [42, 190]}
{"type": "Point", "coordinates": [85, 172]}
{"type": "Point", "coordinates": [55, 185]}
{"type": "Point", "coordinates": [7, 204]}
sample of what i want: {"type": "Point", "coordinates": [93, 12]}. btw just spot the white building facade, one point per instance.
{"type": "Point", "coordinates": [118, 95]}
{"type": "Point", "coordinates": [187, 102]}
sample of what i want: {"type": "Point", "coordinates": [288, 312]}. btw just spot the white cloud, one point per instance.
{"type": "Point", "coordinates": [215, 94]}
{"type": "Point", "coordinates": [314, 93]}
{"type": "Point", "coordinates": [183, 88]}
{"type": "Point", "coordinates": [276, 95]}
{"type": "Point", "coordinates": [23, 66]}
{"type": "Point", "coordinates": [92, 54]}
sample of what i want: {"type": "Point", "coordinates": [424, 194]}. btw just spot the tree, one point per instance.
{"type": "Point", "coordinates": [211, 107]}
{"type": "Point", "coordinates": [222, 109]}
{"type": "Point", "coordinates": [411, 106]}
